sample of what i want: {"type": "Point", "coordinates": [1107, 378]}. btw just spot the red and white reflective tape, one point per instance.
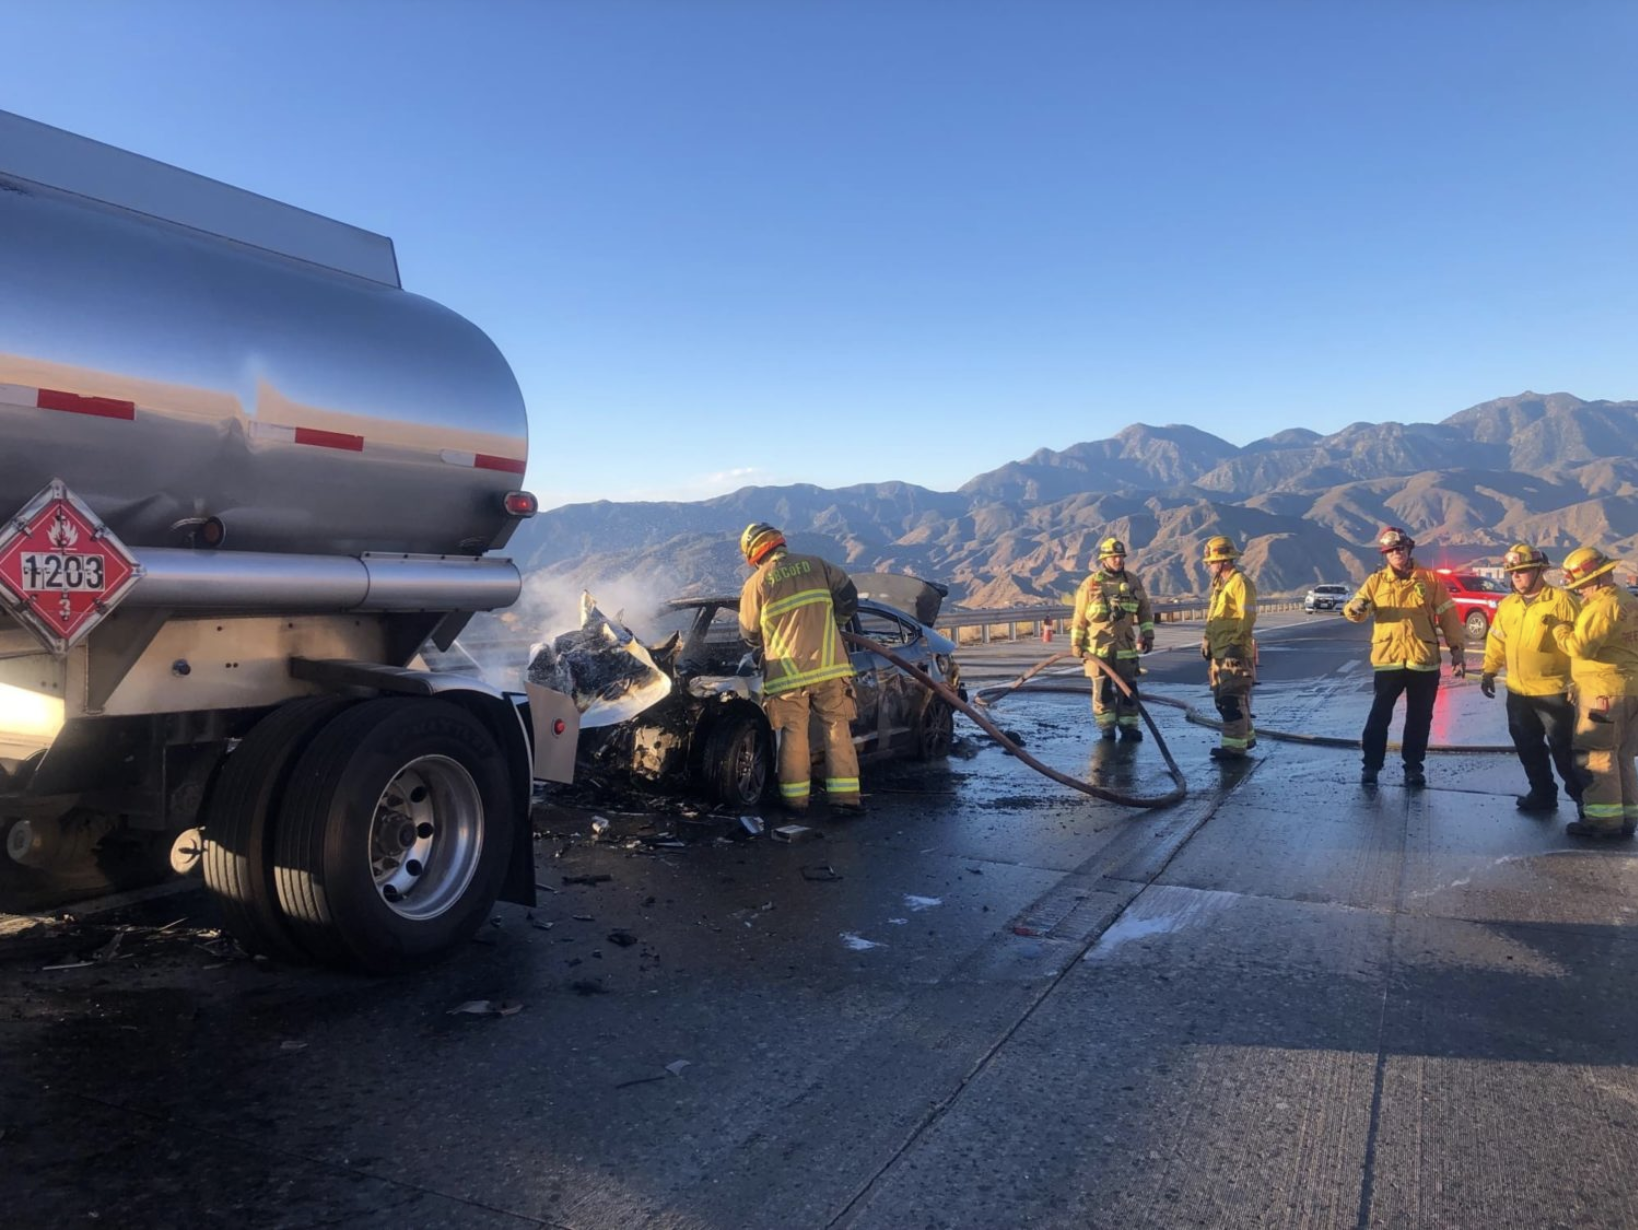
{"type": "Point", "coordinates": [71, 403]}
{"type": "Point", "coordinates": [484, 461]}
{"type": "Point", "coordinates": [111, 408]}
{"type": "Point", "coordinates": [307, 435]}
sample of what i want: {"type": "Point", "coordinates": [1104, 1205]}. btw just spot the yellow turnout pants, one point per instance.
{"type": "Point", "coordinates": [829, 706]}
{"type": "Point", "coordinates": [1604, 749]}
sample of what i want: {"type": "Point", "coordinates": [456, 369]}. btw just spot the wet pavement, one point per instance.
{"type": "Point", "coordinates": [989, 1002]}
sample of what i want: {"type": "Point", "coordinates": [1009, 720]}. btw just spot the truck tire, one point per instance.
{"type": "Point", "coordinates": [935, 729]}
{"type": "Point", "coordinates": [736, 763]}
{"type": "Point", "coordinates": [1477, 624]}
{"type": "Point", "coordinates": [395, 834]}
{"type": "Point", "coordinates": [239, 821]}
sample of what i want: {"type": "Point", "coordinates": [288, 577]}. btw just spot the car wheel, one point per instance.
{"type": "Point", "coordinates": [395, 834]}
{"type": "Point", "coordinates": [935, 730]}
{"type": "Point", "coordinates": [1478, 623]}
{"type": "Point", "coordinates": [734, 766]}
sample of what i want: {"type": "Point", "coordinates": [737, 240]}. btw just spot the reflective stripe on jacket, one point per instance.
{"type": "Point", "coordinates": [1521, 645]}
{"type": "Point", "coordinates": [790, 606]}
{"type": "Point", "coordinates": [1603, 644]}
{"type": "Point", "coordinates": [1410, 611]}
{"type": "Point", "coordinates": [1111, 611]}
{"type": "Point", "coordinates": [1230, 616]}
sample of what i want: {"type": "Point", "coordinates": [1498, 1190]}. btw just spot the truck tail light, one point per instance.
{"type": "Point", "coordinates": [521, 504]}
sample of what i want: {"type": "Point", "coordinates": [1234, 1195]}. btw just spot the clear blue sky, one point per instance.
{"type": "Point", "coordinates": [762, 242]}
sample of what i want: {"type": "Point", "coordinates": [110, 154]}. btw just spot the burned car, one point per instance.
{"type": "Point", "coordinates": [685, 713]}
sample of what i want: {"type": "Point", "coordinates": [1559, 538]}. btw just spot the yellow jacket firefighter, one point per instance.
{"type": "Point", "coordinates": [1521, 642]}
{"type": "Point", "coordinates": [1410, 611]}
{"type": "Point", "coordinates": [1603, 644]}
{"type": "Point", "coordinates": [1230, 616]}
{"type": "Point", "coordinates": [790, 607]}
{"type": "Point", "coordinates": [1111, 613]}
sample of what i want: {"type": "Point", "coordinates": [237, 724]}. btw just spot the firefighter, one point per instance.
{"type": "Point", "coordinates": [1229, 649]}
{"type": "Point", "coordinates": [790, 609]}
{"type": "Point", "coordinates": [1411, 606]}
{"type": "Point", "coordinates": [1602, 645]}
{"type": "Point", "coordinates": [1113, 622]}
{"type": "Point", "coordinates": [1540, 714]}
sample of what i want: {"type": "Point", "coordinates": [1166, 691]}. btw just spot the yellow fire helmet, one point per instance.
{"type": "Point", "coordinates": [1111, 546]}
{"type": "Point", "coordinates": [1583, 564]}
{"type": "Point", "coordinates": [1521, 557]}
{"type": "Point", "coordinates": [758, 539]}
{"type": "Point", "coordinates": [1221, 550]}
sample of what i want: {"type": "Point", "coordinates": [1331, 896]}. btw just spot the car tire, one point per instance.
{"type": "Point", "coordinates": [395, 834]}
{"type": "Point", "coordinates": [935, 730]}
{"type": "Point", "coordinates": [1477, 624]}
{"type": "Point", "coordinates": [239, 825]}
{"type": "Point", "coordinates": [736, 765]}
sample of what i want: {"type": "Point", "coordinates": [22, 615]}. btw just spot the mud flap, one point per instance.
{"type": "Point", "coordinates": [556, 723]}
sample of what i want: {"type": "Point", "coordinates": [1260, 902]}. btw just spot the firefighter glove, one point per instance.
{"type": "Point", "coordinates": [1487, 684]}
{"type": "Point", "coordinates": [1458, 664]}
{"type": "Point", "coordinates": [1205, 649]}
{"type": "Point", "coordinates": [1146, 642]}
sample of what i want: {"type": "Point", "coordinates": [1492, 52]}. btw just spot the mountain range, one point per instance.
{"type": "Point", "coordinates": [1551, 470]}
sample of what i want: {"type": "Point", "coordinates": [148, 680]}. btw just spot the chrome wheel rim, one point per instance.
{"type": "Point", "coordinates": [750, 774]}
{"type": "Point", "coordinates": [426, 837]}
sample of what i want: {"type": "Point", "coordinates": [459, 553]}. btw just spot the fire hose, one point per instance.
{"type": "Point", "coordinates": [1195, 717]}
{"type": "Point", "coordinates": [948, 695]}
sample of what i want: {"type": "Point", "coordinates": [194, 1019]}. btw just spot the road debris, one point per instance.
{"type": "Point", "coordinates": [486, 1007]}
{"type": "Point", "coordinates": [794, 833]}
{"type": "Point", "coordinates": [290, 1044]}
{"type": "Point", "coordinates": [674, 1068]}
{"type": "Point", "coordinates": [917, 904]}
{"type": "Point", "coordinates": [589, 879]}
{"type": "Point", "coordinates": [755, 826]}
{"type": "Point", "coordinates": [622, 938]}
{"type": "Point", "coordinates": [824, 874]}
{"type": "Point", "coordinates": [858, 943]}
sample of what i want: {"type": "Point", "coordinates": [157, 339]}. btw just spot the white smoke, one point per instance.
{"type": "Point", "coordinates": [550, 606]}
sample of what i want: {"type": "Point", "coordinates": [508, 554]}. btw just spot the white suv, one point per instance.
{"type": "Point", "coordinates": [1325, 598]}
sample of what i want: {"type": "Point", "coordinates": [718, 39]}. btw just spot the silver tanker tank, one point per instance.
{"type": "Point", "coordinates": [189, 350]}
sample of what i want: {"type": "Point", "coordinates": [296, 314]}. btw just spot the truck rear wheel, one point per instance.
{"type": "Point", "coordinates": [239, 819]}
{"type": "Point", "coordinates": [394, 835]}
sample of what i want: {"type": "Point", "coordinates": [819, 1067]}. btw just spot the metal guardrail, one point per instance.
{"type": "Point", "coordinates": [952, 621]}
{"type": "Point", "coordinates": [1016, 620]}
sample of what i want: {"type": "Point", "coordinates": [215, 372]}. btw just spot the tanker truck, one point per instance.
{"type": "Point", "coordinates": [250, 486]}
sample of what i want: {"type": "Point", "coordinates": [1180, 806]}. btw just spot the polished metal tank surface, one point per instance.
{"type": "Point", "coordinates": [168, 375]}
